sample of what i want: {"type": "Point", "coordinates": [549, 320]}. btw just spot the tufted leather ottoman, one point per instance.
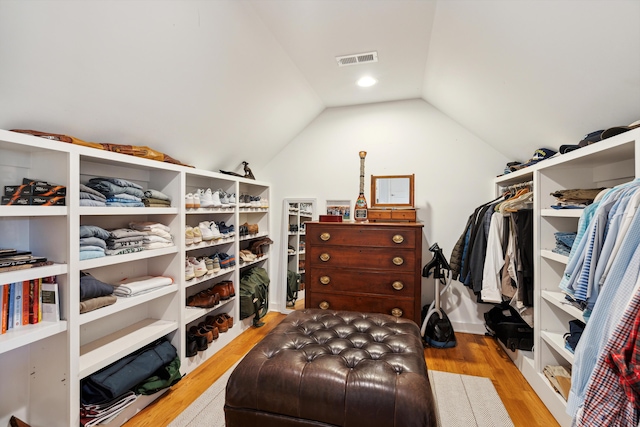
{"type": "Point", "coordinates": [333, 368]}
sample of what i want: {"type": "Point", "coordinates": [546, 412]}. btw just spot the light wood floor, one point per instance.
{"type": "Point", "coordinates": [474, 355]}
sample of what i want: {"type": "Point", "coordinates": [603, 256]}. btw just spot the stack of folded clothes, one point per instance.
{"type": "Point", "coordinates": [93, 241]}
{"type": "Point", "coordinates": [91, 197]}
{"type": "Point", "coordinates": [140, 285]}
{"type": "Point", "coordinates": [578, 198]}
{"type": "Point", "coordinates": [94, 294]}
{"type": "Point", "coordinates": [156, 235]}
{"type": "Point", "coordinates": [125, 241]}
{"type": "Point", "coordinates": [118, 192]}
{"type": "Point", "coordinates": [156, 199]}
{"type": "Point", "coordinates": [564, 242]}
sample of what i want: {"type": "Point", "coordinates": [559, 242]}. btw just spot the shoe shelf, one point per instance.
{"type": "Point", "coordinates": [195, 313]}
{"type": "Point", "coordinates": [254, 236]}
{"type": "Point", "coordinates": [557, 298]}
{"type": "Point", "coordinates": [561, 213]}
{"type": "Point", "coordinates": [214, 347]}
{"type": "Point", "coordinates": [125, 303]}
{"type": "Point", "coordinates": [118, 259]}
{"type": "Point", "coordinates": [548, 254]}
{"type": "Point", "coordinates": [207, 277]}
{"type": "Point", "coordinates": [556, 341]}
{"type": "Point", "coordinates": [246, 264]}
{"type": "Point", "coordinates": [111, 348]}
{"type": "Point", "coordinates": [210, 243]}
{"type": "Point", "coordinates": [206, 211]}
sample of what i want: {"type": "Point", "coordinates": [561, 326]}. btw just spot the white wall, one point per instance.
{"type": "Point", "coordinates": [453, 175]}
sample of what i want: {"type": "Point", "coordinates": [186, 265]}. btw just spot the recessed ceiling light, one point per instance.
{"type": "Point", "coordinates": [367, 81]}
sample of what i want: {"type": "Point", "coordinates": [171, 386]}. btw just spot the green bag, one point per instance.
{"type": "Point", "coordinates": [254, 295]}
{"type": "Point", "coordinates": [293, 286]}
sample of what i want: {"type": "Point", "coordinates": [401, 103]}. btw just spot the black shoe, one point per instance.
{"type": "Point", "coordinates": [192, 346]}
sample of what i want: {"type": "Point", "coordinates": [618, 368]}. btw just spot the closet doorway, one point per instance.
{"type": "Point", "coordinates": [296, 212]}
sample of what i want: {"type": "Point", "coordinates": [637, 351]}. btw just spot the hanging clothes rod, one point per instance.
{"type": "Point", "coordinates": [519, 185]}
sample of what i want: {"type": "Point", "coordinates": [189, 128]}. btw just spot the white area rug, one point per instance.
{"type": "Point", "coordinates": [462, 401]}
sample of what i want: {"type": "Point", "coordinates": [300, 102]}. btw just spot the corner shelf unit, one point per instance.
{"type": "Point", "coordinates": [604, 164]}
{"type": "Point", "coordinates": [42, 364]}
{"type": "Point", "coordinates": [296, 212]}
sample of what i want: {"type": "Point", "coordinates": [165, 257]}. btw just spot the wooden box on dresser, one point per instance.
{"type": "Point", "coordinates": [368, 267]}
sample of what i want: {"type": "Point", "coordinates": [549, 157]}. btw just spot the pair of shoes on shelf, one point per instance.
{"type": "Point", "coordinates": [223, 322]}
{"type": "Point", "coordinates": [212, 264]}
{"type": "Point", "coordinates": [226, 230]}
{"type": "Point", "coordinates": [225, 289]}
{"type": "Point", "coordinates": [226, 260]}
{"type": "Point", "coordinates": [257, 246]}
{"type": "Point", "coordinates": [192, 201]}
{"type": "Point", "coordinates": [188, 235]}
{"type": "Point", "coordinates": [251, 228]}
{"type": "Point", "coordinates": [204, 299]}
{"type": "Point", "coordinates": [208, 198]}
{"type": "Point", "coordinates": [291, 250]}
{"type": "Point", "coordinates": [247, 256]}
{"type": "Point", "coordinates": [293, 227]}
{"type": "Point", "coordinates": [199, 266]}
{"type": "Point", "coordinates": [189, 272]}
{"type": "Point", "coordinates": [301, 264]}
{"type": "Point", "coordinates": [209, 231]}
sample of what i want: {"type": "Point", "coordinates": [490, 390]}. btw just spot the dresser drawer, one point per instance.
{"type": "Point", "coordinates": [373, 236]}
{"type": "Point", "coordinates": [363, 303]}
{"type": "Point", "coordinates": [365, 258]}
{"type": "Point", "coordinates": [397, 284]}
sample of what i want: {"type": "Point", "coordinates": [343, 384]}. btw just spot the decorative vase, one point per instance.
{"type": "Point", "coordinates": [360, 211]}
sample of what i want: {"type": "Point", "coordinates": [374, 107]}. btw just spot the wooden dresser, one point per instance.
{"type": "Point", "coordinates": [368, 267]}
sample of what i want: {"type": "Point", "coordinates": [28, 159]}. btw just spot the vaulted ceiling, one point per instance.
{"type": "Point", "coordinates": [213, 83]}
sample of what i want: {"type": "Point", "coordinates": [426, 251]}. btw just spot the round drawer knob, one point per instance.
{"type": "Point", "coordinates": [324, 257]}
{"type": "Point", "coordinates": [324, 305]}
{"type": "Point", "coordinates": [397, 285]}
{"type": "Point", "coordinates": [398, 238]}
{"type": "Point", "coordinates": [325, 236]}
{"type": "Point", "coordinates": [396, 312]}
{"type": "Point", "coordinates": [398, 260]}
{"type": "Point", "coordinates": [325, 280]}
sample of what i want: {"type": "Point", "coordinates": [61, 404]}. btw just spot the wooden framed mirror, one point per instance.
{"type": "Point", "coordinates": [392, 191]}
{"type": "Point", "coordinates": [392, 198]}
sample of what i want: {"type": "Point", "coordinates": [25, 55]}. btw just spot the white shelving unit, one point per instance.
{"type": "Point", "coordinates": [42, 365]}
{"type": "Point", "coordinates": [604, 164]}
{"type": "Point", "coordinates": [296, 213]}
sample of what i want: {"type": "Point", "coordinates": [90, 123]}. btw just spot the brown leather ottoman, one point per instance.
{"type": "Point", "coordinates": [333, 368]}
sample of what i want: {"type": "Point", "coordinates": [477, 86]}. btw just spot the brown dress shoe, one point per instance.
{"type": "Point", "coordinates": [232, 291]}
{"type": "Point", "coordinates": [214, 294]}
{"type": "Point", "coordinates": [229, 319]}
{"type": "Point", "coordinates": [211, 328]}
{"type": "Point", "coordinates": [201, 332]}
{"type": "Point", "coordinates": [222, 289]}
{"type": "Point", "coordinates": [201, 300]}
{"type": "Point", "coordinates": [221, 323]}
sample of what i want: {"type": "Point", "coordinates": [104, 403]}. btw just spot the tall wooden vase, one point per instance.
{"type": "Point", "coordinates": [360, 211]}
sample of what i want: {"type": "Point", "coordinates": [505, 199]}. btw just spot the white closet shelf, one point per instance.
{"type": "Point", "coordinates": [546, 253]}
{"type": "Point", "coordinates": [195, 313]}
{"type": "Point", "coordinates": [116, 210]}
{"type": "Point", "coordinates": [557, 298]}
{"type": "Point", "coordinates": [26, 334]}
{"type": "Point", "coordinates": [253, 210]}
{"type": "Point", "coordinates": [27, 211]}
{"type": "Point", "coordinates": [258, 260]}
{"type": "Point", "coordinates": [208, 277]}
{"type": "Point", "coordinates": [210, 243]}
{"type": "Point", "coordinates": [33, 273]}
{"type": "Point", "coordinates": [556, 341]}
{"type": "Point", "coordinates": [561, 213]}
{"type": "Point", "coordinates": [106, 350]}
{"type": "Point", "coordinates": [117, 259]}
{"type": "Point", "coordinates": [124, 303]}
{"type": "Point", "coordinates": [200, 211]}
{"type": "Point", "coordinates": [254, 236]}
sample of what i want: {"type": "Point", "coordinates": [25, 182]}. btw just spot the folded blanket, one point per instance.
{"type": "Point", "coordinates": [93, 231]}
{"type": "Point", "coordinates": [152, 238]}
{"type": "Point", "coordinates": [109, 189]}
{"type": "Point", "coordinates": [138, 285]}
{"type": "Point", "coordinates": [91, 202]}
{"type": "Point", "coordinates": [97, 302]}
{"type": "Point", "coordinates": [156, 245]}
{"type": "Point", "coordinates": [148, 226]}
{"type": "Point", "coordinates": [93, 241]}
{"type": "Point", "coordinates": [125, 232]}
{"type": "Point", "coordinates": [155, 194]}
{"type": "Point", "coordinates": [122, 251]}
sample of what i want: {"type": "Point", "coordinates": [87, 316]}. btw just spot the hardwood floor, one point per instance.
{"type": "Point", "coordinates": [474, 355]}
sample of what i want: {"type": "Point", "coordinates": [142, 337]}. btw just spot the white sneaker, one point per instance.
{"type": "Point", "coordinates": [199, 267]}
{"type": "Point", "coordinates": [205, 231]}
{"type": "Point", "coordinates": [197, 235]}
{"type": "Point", "coordinates": [188, 201]}
{"type": "Point", "coordinates": [224, 200]}
{"type": "Point", "coordinates": [206, 199]}
{"type": "Point", "coordinates": [217, 202]}
{"type": "Point", "coordinates": [189, 273]}
{"type": "Point", "coordinates": [255, 201]}
{"type": "Point", "coordinates": [196, 201]}
{"type": "Point", "coordinates": [188, 235]}
{"type": "Point", "coordinates": [264, 203]}
{"type": "Point", "coordinates": [232, 198]}
{"type": "Point", "coordinates": [215, 231]}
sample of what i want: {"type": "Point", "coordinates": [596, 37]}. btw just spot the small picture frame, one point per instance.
{"type": "Point", "coordinates": [339, 207]}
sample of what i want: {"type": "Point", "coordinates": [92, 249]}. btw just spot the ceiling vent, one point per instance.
{"type": "Point", "coordinates": [358, 58]}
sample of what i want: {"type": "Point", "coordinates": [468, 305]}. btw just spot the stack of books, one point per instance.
{"type": "Point", "coordinates": [29, 302]}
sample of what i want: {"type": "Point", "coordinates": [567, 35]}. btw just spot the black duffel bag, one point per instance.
{"type": "Point", "coordinates": [504, 322]}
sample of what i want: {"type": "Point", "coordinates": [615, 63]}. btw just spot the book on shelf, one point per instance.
{"type": "Point", "coordinates": [17, 304]}
{"type": "Point", "coordinates": [11, 291]}
{"type": "Point", "coordinates": [50, 307]}
{"type": "Point", "coordinates": [26, 300]}
{"type": "Point", "coordinates": [34, 300]}
{"type": "Point", "coordinates": [4, 307]}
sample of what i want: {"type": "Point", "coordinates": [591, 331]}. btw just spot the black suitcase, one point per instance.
{"type": "Point", "coordinates": [504, 323]}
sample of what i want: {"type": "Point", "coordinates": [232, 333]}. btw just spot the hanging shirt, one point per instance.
{"type": "Point", "coordinates": [492, 278]}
